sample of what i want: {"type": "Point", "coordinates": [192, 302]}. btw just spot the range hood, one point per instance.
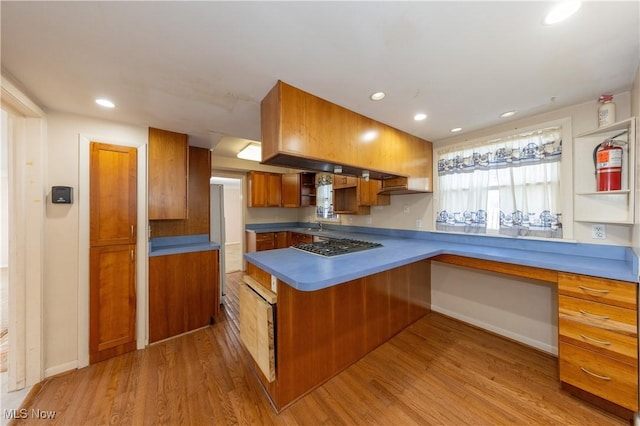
{"type": "Point", "coordinates": [404, 185]}
{"type": "Point", "coordinates": [300, 130]}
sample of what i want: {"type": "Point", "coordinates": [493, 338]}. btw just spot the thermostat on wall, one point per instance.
{"type": "Point", "coordinates": [62, 195]}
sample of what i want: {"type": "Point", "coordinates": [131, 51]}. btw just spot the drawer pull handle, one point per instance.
{"type": "Point", "coordinates": [600, 342]}
{"type": "Point", "coordinates": [593, 290]}
{"type": "Point", "coordinates": [607, 378]}
{"type": "Point", "coordinates": [602, 317]}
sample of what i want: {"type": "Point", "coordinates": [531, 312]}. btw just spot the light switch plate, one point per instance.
{"type": "Point", "coordinates": [274, 284]}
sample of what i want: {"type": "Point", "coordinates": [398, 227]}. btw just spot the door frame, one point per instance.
{"type": "Point", "coordinates": [142, 288]}
{"type": "Point", "coordinates": [27, 151]}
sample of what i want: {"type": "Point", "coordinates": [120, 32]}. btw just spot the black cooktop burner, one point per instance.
{"type": "Point", "coordinates": [335, 247]}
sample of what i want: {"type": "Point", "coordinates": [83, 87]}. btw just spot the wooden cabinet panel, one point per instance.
{"type": "Point", "coordinates": [113, 187]}
{"type": "Point", "coordinates": [298, 238]}
{"type": "Point", "coordinates": [307, 189]}
{"type": "Point", "coordinates": [618, 293]}
{"type": "Point", "coordinates": [198, 212]}
{"type": "Point", "coordinates": [602, 376]}
{"type": "Point", "coordinates": [183, 293]}
{"type": "Point", "coordinates": [112, 273]}
{"type": "Point", "coordinates": [168, 174]}
{"type": "Point", "coordinates": [342, 181]}
{"type": "Point", "coordinates": [291, 190]}
{"type": "Point", "coordinates": [322, 332]}
{"type": "Point", "coordinates": [264, 189]}
{"type": "Point", "coordinates": [598, 337]}
{"type": "Point", "coordinates": [295, 133]}
{"type": "Point", "coordinates": [281, 239]}
{"type": "Point", "coordinates": [260, 241]}
{"type": "Point", "coordinates": [112, 301]}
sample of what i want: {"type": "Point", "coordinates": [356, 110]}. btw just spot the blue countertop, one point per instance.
{"type": "Point", "coordinates": [163, 246]}
{"type": "Point", "coordinates": [308, 272]}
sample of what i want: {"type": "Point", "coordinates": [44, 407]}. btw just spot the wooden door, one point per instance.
{"type": "Point", "coordinates": [168, 174]}
{"type": "Point", "coordinates": [112, 301]}
{"type": "Point", "coordinates": [112, 293]}
{"type": "Point", "coordinates": [257, 189]}
{"type": "Point", "coordinates": [274, 190]}
{"type": "Point", "coordinates": [291, 190]}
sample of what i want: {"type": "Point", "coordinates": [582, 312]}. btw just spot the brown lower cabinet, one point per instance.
{"type": "Point", "coordinates": [320, 333]}
{"type": "Point", "coordinates": [260, 241]}
{"type": "Point", "coordinates": [183, 293]}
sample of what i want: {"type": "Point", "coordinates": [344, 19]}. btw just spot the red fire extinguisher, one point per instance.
{"type": "Point", "coordinates": [607, 158]}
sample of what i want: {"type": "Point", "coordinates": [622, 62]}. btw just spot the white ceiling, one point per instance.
{"type": "Point", "coordinates": [202, 68]}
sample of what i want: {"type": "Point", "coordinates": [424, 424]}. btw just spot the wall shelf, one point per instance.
{"type": "Point", "coordinates": [604, 206]}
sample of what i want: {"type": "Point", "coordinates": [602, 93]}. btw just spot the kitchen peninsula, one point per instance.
{"type": "Point", "coordinates": [332, 311]}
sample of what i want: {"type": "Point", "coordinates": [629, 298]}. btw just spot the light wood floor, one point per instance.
{"type": "Point", "coordinates": [437, 371]}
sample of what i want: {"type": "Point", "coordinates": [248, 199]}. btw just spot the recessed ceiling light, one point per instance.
{"type": "Point", "coordinates": [508, 114]}
{"type": "Point", "coordinates": [252, 152]}
{"type": "Point", "coordinates": [420, 116]}
{"type": "Point", "coordinates": [456, 129]}
{"type": "Point", "coordinates": [105, 103]}
{"type": "Point", "coordinates": [561, 11]}
{"type": "Point", "coordinates": [377, 96]}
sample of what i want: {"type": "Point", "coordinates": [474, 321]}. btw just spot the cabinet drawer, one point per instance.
{"type": "Point", "coordinates": [600, 315]}
{"type": "Point", "coordinates": [619, 346]}
{"type": "Point", "coordinates": [264, 236]}
{"type": "Point", "coordinates": [618, 293]}
{"type": "Point", "coordinates": [600, 375]}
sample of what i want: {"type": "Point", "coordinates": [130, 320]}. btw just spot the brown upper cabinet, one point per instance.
{"type": "Point", "coordinates": [291, 190]}
{"type": "Point", "coordinates": [295, 134]}
{"type": "Point", "coordinates": [358, 198]}
{"type": "Point", "coordinates": [168, 174]}
{"type": "Point", "coordinates": [265, 189]}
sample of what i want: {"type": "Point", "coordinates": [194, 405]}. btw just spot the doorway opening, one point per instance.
{"type": "Point", "coordinates": [227, 213]}
{"type": "Point", "coordinates": [4, 248]}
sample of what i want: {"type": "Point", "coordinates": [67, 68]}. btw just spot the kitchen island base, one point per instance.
{"type": "Point", "coordinates": [320, 333]}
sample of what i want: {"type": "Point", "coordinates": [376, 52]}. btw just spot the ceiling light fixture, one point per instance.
{"type": "Point", "coordinates": [252, 152]}
{"type": "Point", "coordinates": [420, 116]}
{"type": "Point", "coordinates": [561, 11]}
{"type": "Point", "coordinates": [508, 114]}
{"type": "Point", "coordinates": [105, 103]}
{"type": "Point", "coordinates": [456, 129]}
{"type": "Point", "coordinates": [378, 96]}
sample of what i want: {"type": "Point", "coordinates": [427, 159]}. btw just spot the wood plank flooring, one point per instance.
{"type": "Point", "coordinates": [437, 371]}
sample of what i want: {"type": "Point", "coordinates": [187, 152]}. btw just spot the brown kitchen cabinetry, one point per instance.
{"type": "Point", "coordinates": [291, 190]}
{"type": "Point", "coordinates": [298, 238]}
{"type": "Point", "coordinates": [342, 181]}
{"type": "Point", "coordinates": [261, 241]}
{"type": "Point", "coordinates": [112, 273]}
{"type": "Point", "coordinates": [168, 174]}
{"type": "Point", "coordinates": [198, 200]}
{"type": "Point", "coordinates": [307, 189]}
{"type": "Point", "coordinates": [598, 337]}
{"type": "Point", "coordinates": [265, 189]}
{"type": "Point", "coordinates": [183, 293]}
{"type": "Point", "coordinates": [295, 134]}
{"type": "Point", "coordinates": [357, 195]}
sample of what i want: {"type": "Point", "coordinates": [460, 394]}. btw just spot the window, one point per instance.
{"type": "Point", "coordinates": [508, 186]}
{"type": "Point", "coordinates": [324, 198]}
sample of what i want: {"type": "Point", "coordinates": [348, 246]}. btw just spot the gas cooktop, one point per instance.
{"type": "Point", "coordinates": [336, 247]}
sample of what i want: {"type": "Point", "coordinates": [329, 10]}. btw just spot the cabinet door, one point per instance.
{"type": "Point", "coordinates": [257, 189]}
{"type": "Point", "coordinates": [113, 189]}
{"type": "Point", "coordinates": [112, 294]}
{"type": "Point", "coordinates": [274, 190]}
{"type": "Point", "coordinates": [291, 190]}
{"type": "Point", "coordinates": [368, 193]}
{"type": "Point", "coordinates": [342, 181]}
{"type": "Point", "coordinates": [168, 174]}
{"type": "Point", "coordinates": [281, 239]}
{"type": "Point", "coordinates": [183, 293]}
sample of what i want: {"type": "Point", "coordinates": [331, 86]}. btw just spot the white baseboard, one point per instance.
{"type": "Point", "coordinates": [545, 347]}
{"type": "Point", "coordinates": [62, 368]}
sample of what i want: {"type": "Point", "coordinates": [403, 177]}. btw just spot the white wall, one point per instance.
{"type": "Point", "coordinates": [62, 251]}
